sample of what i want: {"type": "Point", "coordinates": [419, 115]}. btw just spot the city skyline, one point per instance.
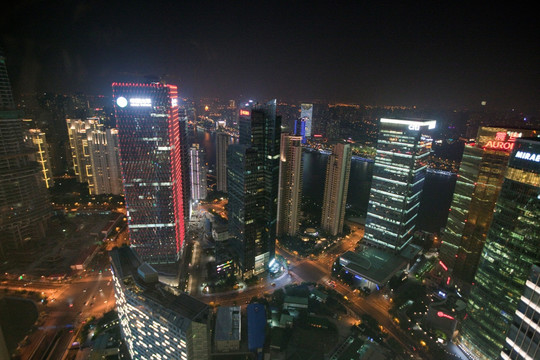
{"type": "Point", "coordinates": [216, 154]}
{"type": "Point", "coordinates": [421, 54]}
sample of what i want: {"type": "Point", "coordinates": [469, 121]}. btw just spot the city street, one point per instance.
{"type": "Point", "coordinates": [70, 304]}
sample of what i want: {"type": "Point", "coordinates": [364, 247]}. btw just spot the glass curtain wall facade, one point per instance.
{"type": "Point", "coordinates": [479, 182]}
{"type": "Point", "coordinates": [523, 338]}
{"type": "Point", "coordinates": [259, 153]}
{"type": "Point", "coordinates": [245, 184]}
{"type": "Point", "coordinates": [398, 179]}
{"type": "Point", "coordinates": [151, 157]}
{"type": "Point", "coordinates": [512, 247]}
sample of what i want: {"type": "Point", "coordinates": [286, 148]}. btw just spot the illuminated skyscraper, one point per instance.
{"type": "Point", "coordinates": [78, 131]}
{"type": "Point", "coordinates": [290, 185]}
{"type": "Point", "coordinates": [222, 143]}
{"type": "Point", "coordinates": [479, 182]}
{"type": "Point", "coordinates": [512, 247]}
{"type": "Point", "coordinates": [38, 140]}
{"type": "Point", "coordinates": [306, 114]}
{"type": "Point", "coordinates": [523, 338]}
{"type": "Point", "coordinates": [300, 129]}
{"type": "Point", "coordinates": [198, 173]}
{"type": "Point", "coordinates": [149, 132]}
{"type": "Point", "coordinates": [105, 161]}
{"type": "Point", "coordinates": [398, 179]}
{"type": "Point", "coordinates": [252, 183]}
{"type": "Point", "coordinates": [336, 187]}
{"type": "Point", "coordinates": [154, 322]}
{"type": "Point", "coordinates": [95, 155]}
{"type": "Point", "coordinates": [24, 201]}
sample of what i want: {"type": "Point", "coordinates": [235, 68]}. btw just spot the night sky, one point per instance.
{"type": "Point", "coordinates": [396, 53]}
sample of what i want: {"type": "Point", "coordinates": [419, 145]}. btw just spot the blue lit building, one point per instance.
{"type": "Point", "coordinates": [300, 129]}
{"type": "Point", "coordinates": [256, 316]}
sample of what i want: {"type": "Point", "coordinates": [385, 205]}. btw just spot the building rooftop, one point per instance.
{"type": "Point", "coordinates": [228, 324]}
{"type": "Point", "coordinates": [298, 300]}
{"type": "Point", "coordinates": [256, 314]}
{"type": "Point", "coordinates": [377, 265]}
{"type": "Point", "coordinates": [180, 309]}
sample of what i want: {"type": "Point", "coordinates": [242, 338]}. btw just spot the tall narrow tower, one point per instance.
{"type": "Point", "coordinates": [222, 143]}
{"type": "Point", "coordinates": [38, 140]}
{"type": "Point", "coordinates": [306, 114]}
{"type": "Point", "coordinates": [336, 187]}
{"type": "Point", "coordinates": [198, 173]}
{"type": "Point", "coordinates": [151, 157]}
{"type": "Point", "coordinates": [290, 185]}
{"type": "Point", "coordinates": [105, 161]}
{"type": "Point", "coordinates": [24, 201]}
{"type": "Point", "coordinates": [252, 182]}
{"type": "Point", "coordinates": [398, 179]}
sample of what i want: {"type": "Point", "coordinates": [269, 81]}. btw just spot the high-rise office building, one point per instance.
{"type": "Point", "coordinates": [105, 161]}
{"type": "Point", "coordinates": [300, 129]}
{"type": "Point", "coordinates": [154, 322]}
{"type": "Point", "coordinates": [24, 201]}
{"type": "Point", "coordinates": [512, 247]}
{"type": "Point", "coordinates": [149, 133]}
{"type": "Point", "coordinates": [252, 183]}
{"type": "Point", "coordinates": [290, 185]}
{"type": "Point", "coordinates": [184, 161]}
{"type": "Point", "coordinates": [37, 139]}
{"type": "Point", "coordinates": [198, 173]}
{"type": "Point", "coordinates": [245, 207]}
{"type": "Point", "coordinates": [306, 114]}
{"type": "Point", "coordinates": [523, 338]}
{"type": "Point", "coordinates": [398, 179]}
{"type": "Point", "coordinates": [222, 143]}
{"type": "Point", "coordinates": [479, 182]}
{"type": "Point", "coordinates": [336, 187]}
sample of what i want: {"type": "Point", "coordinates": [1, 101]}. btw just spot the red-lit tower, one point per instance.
{"type": "Point", "coordinates": [151, 155]}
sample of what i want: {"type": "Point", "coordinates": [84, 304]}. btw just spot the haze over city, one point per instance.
{"type": "Point", "coordinates": [393, 53]}
{"type": "Point", "coordinates": [269, 180]}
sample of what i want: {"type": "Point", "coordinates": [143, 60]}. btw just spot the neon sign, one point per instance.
{"type": "Point", "coordinates": [244, 112]}
{"type": "Point", "coordinates": [443, 265]}
{"type": "Point", "coordinates": [528, 156]}
{"type": "Point", "coordinates": [121, 101]}
{"type": "Point", "coordinates": [443, 315]}
{"type": "Point", "coordinates": [414, 127]}
{"type": "Point", "coordinates": [140, 102]}
{"type": "Point", "coordinates": [499, 145]}
{"type": "Point", "coordinates": [503, 140]}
